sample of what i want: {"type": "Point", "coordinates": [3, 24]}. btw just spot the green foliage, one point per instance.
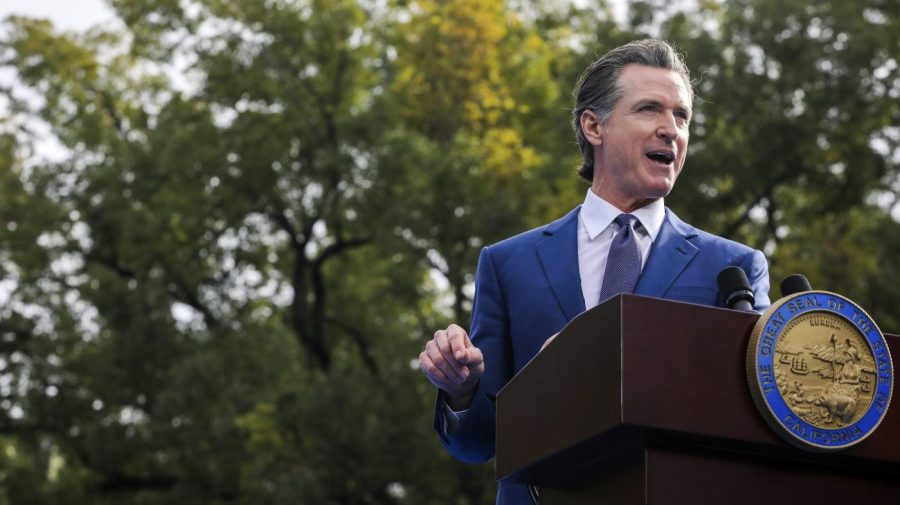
{"type": "Point", "coordinates": [215, 293]}
{"type": "Point", "coordinates": [793, 147]}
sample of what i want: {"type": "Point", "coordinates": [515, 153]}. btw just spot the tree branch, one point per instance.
{"type": "Point", "coordinates": [766, 192]}
{"type": "Point", "coordinates": [340, 246]}
{"type": "Point", "coordinates": [180, 292]}
{"type": "Point", "coordinates": [361, 342]}
{"type": "Point", "coordinates": [318, 317]}
{"type": "Point", "coordinates": [111, 262]}
{"type": "Point", "coordinates": [281, 220]}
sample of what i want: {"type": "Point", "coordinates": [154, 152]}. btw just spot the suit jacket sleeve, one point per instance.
{"type": "Point", "coordinates": [757, 269]}
{"type": "Point", "coordinates": [473, 441]}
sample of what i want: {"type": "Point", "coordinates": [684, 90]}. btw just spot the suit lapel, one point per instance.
{"type": "Point", "coordinates": [670, 254]}
{"type": "Point", "coordinates": [558, 255]}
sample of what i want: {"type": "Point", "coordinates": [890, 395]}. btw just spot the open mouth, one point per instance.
{"type": "Point", "coordinates": [661, 156]}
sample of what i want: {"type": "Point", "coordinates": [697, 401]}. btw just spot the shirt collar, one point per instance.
{"type": "Point", "coordinates": [597, 214]}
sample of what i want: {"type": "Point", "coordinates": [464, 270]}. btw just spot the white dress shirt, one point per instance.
{"type": "Point", "coordinates": [596, 230]}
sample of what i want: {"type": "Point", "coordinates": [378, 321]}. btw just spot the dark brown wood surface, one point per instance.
{"type": "Point", "coordinates": [667, 477]}
{"type": "Point", "coordinates": [639, 373]}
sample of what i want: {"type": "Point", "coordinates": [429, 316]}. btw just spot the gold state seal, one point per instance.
{"type": "Point", "coordinates": [819, 371]}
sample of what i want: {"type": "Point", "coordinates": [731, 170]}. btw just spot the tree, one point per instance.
{"type": "Point", "coordinates": [258, 212]}
{"type": "Point", "coordinates": [792, 147]}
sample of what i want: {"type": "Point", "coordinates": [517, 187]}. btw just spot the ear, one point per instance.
{"type": "Point", "coordinates": [590, 125]}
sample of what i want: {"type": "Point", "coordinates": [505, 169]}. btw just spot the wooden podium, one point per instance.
{"type": "Point", "coordinates": [645, 401]}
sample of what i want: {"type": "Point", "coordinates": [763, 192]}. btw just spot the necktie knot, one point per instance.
{"type": "Point", "coordinates": [624, 220]}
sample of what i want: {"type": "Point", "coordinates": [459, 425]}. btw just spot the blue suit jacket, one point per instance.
{"type": "Point", "coordinates": [528, 287]}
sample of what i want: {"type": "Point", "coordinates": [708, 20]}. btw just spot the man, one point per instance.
{"type": "Point", "coordinates": [632, 111]}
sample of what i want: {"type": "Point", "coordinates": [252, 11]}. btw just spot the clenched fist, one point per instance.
{"type": "Point", "coordinates": [453, 364]}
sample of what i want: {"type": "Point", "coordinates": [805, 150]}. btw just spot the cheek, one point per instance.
{"type": "Point", "coordinates": [683, 141]}
{"type": "Point", "coordinates": [682, 154]}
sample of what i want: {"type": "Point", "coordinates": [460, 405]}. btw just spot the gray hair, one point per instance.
{"type": "Point", "coordinates": [598, 87]}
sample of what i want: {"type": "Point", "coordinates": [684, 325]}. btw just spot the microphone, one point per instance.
{"type": "Point", "coordinates": [735, 289]}
{"type": "Point", "coordinates": [793, 284]}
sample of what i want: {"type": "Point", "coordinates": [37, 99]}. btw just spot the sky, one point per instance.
{"type": "Point", "coordinates": [78, 15]}
{"type": "Point", "coordinates": [65, 14]}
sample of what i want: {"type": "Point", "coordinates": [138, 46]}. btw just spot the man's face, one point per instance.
{"type": "Point", "coordinates": [644, 141]}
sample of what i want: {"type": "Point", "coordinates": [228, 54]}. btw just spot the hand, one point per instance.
{"type": "Point", "coordinates": [547, 342]}
{"type": "Point", "coordinates": [453, 364]}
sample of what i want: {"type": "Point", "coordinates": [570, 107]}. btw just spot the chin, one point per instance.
{"type": "Point", "coordinates": [668, 183]}
{"type": "Point", "coordinates": [661, 190]}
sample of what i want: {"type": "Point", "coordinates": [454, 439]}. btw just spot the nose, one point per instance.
{"type": "Point", "coordinates": [668, 129]}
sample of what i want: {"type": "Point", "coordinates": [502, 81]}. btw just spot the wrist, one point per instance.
{"type": "Point", "coordinates": [460, 400]}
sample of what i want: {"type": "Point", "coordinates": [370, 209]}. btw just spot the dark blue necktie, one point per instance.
{"type": "Point", "coordinates": [623, 265]}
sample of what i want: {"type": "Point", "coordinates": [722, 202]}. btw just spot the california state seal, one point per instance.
{"type": "Point", "coordinates": [819, 371]}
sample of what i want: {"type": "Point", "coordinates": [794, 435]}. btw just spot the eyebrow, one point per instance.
{"type": "Point", "coordinates": [656, 103]}
{"type": "Point", "coordinates": [647, 101]}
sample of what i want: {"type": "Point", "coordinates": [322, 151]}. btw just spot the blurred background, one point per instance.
{"type": "Point", "coordinates": [227, 227]}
